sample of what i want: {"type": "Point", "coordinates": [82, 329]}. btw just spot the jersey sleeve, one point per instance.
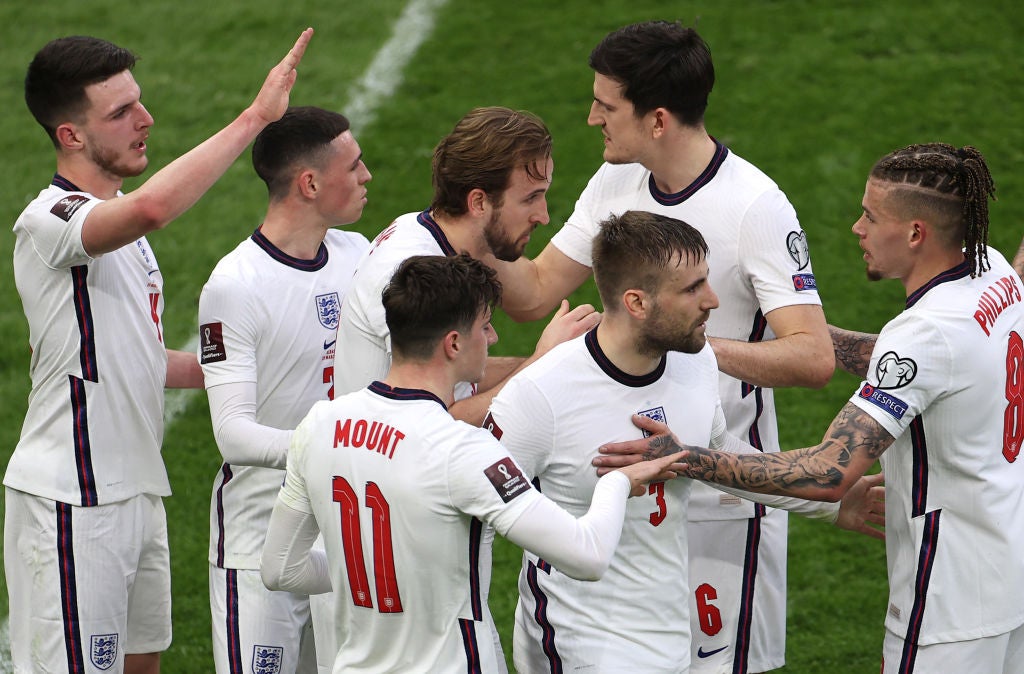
{"type": "Point", "coordinates": [575, 238]}
{"type": "Point", "coordinates": [774, 255]}
{"type": "Point", "coordinates": [228, 332]}
{"type": "Point", "coordinates": [911, 365]}
{"type": "Point", "coordinates": [56, 234]}
{"type": "Point", "coordinates": [293, 492]}
{"type": "Point", "coordinates": [522, 419]}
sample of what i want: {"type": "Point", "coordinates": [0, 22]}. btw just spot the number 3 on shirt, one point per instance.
{"type": "Point", "coordinates": [384, 578]}
{"type": "Point", "coordinates": [1013, 417]}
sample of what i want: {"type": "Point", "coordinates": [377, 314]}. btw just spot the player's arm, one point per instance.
{"type": "Point", "coordinates": [532, 288]}
{"type": "Point", "coordinates": [183, 370]}
{"type": "Point", "coordinates": [289, 562]}
{"type": "Point", "coordinates": [800, 354]}
{"type": "Point", "coordinates": [825, 472]}
{"type": "Point", "coordinates": [582, 548]}
{"type": "Point", "coordinates": [176, 187]}
{"type": "Point", "coordinates": [1018, 260]}
{"type": "Point", "coordinates": [241, 439]}
{"type": "Point", "coordinates": [566, 324]}
{"type": "Point", "coordinates": [852, 349]}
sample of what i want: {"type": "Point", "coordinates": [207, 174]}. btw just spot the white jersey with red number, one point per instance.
{"type": "Point", "coordinates": [400, 490]}
{"type": "Point", "coordinates": [553, 416]}
{"type": "Point", "coordinates": [272, 319]}
{"type": "Point", "coordinates": [946, 379]}
{"type": "Point", "coordinates": [364, 342]}
{"type": "Point", "coordinates": [94, 426]}
{"type": "Point", "coordinates": [758, 261]}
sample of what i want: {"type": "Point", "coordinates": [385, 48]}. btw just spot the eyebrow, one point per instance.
{"type": "Point", "coordinates": [355, 164]}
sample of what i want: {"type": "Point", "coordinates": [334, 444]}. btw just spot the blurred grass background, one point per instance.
{"type": "Point", "coordinates": [811, 92]}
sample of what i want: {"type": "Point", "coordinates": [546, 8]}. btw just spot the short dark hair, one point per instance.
{"type": "Point", "coordinates": [430, 295]}
{"type": "Point", "coordinates": [660, 64]}
{"type": "Point", "coordinates": [949, 185]}
{"type": "Point", "coordinates": [300, 138]}
{"type": "Point", "coordinates": [59, 73]}
{"type": "Point", "coordinates": [482, 151]}
{"type": "Point", "coordinates": [633, 250]}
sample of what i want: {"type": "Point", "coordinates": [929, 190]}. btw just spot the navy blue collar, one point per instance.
{"type": "Point", "coordinates": [956, 273]}
{"type": "Point", "coordinates": [609, 368]}
{"type": "Point", "coordinates": [435, 230]}
{"type": "Point", "coordinates": [382, 389]}
{"type": "Point", "coordinates": [665, 199]}
{"type": "Point", "coordinates": [284, 258]}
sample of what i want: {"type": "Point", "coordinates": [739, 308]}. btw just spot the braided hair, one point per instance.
{"type": "Point", "coordinates": [950, 173]}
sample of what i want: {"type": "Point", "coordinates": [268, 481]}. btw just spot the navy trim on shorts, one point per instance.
{"type": "Point", "coordinates": [746, 612]}
{"type": "Point", "coordinates": [469, 643]}
{"type": "Point", "coordinates": [233, 636]}
{"type": "Point", "coordinates": [69, 589]}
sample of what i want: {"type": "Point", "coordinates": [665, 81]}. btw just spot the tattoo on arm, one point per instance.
{"type": "Point", "coordinates": [853, 435]}
{"type": "Point", "coordinates": [852, 349]}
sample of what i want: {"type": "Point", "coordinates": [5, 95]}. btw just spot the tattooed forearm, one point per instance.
{"type": "Point", "coordinates": [852, 444]}
{"type": "Point", "coordinates": [852, 349]}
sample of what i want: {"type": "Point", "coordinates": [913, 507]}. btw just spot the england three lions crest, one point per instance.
{"type": "Point", "coordinates": [328, 310]}
{"type": "Point", "coordinates": [103, 650]}
{"type": "Point", "coordinates": [656, 413]}
{"type": "Point", "coordinates": [267, 659]}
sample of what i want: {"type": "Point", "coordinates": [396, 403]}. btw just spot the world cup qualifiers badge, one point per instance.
{"type": "Point", "coordinates": [507, 479]}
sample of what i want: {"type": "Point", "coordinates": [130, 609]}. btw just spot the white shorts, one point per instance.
{"type": "Point", "coordinates": [256, 630]}
{"type": "Point", "coordinates": [738, 594]}
{"type": "Point", "coordinates": [86, 585]}
{"type": "Point", "coordinates": [1001, 654]}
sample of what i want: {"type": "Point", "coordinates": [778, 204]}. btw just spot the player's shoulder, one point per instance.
{"type": "Point", "coordinates": [245, 263]}
{"type": "Point", "coordinates": [54, 203]}
{"type": "Point", "coordinates": [346, 240]}
{"type": "Point", "coordinates": [614, 178]}
{"type": "Point", "coordinates": [745, 174]}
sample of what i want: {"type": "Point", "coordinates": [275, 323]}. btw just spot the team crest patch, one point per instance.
{"type": "Point", "coordinates": [267, 659]}
{"type": "Point", "coordinates": [103, 650]}
{"type": "Point", "coordinates": [507, 479]}
{"type": "Point", "coordinates": [893, 371]}
{"type": "Point", "coordinates": [328, 310]}
{"type": "Point", "coordinates": [796, 244]}
{"type": "Point", "coordinates": [804, 282]}
{"type": "Point", "coordinates": [887, 402]}
{"type": "Point", "coordinates": [66, 207]}
{"type": "Point", "coordinates": [656, 413]}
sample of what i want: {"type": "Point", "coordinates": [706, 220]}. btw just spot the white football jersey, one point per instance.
{"type": "Point", "coordinates": [758, 261]}
{"type": "Point", "coordinates": [636, 618]}
{"type": "Point", "coordinates": [94, 425]}
{"type": "Point", "coordinates": [364, 342]}
{"type": "Point", "coordinates": [946, 379]}
{"type": "Point", "coordinates": [400, 490]}
{"type": "Point", "coordinates": [272, 319]}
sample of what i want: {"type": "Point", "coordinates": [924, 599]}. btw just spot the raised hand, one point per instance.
{"type": "Point", "coordinates": [567, 324]}
{"type": "Point", "coordinates": [272, 100]}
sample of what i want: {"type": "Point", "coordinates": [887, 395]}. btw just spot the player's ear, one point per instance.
{"type": "Point", "coordinates": [635, 301]}
{"type": "Point", "coordinates": [451, 343]}
{"type": "Point", "coordinates": [306, 183]}
{"type": "Point", "coordinates": [477, 202]}
{"type": "Point", "coordinates": [69, 137]}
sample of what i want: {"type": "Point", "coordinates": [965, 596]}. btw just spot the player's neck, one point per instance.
{"type": "Point", "coordinates": [928, 268]}
{"type": "Point", "coordinates": [88, 177]}
{"type": "Point", "coordinates": [423, 376]}
{"type": "Point", "coordinates": [618, 343]}
{"type": "Point", "coordinates": [293, 234]}
{"type": "Point", "coordinates": [681, 158]}
{"type": "Point", "coordinates": [463, 233]}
